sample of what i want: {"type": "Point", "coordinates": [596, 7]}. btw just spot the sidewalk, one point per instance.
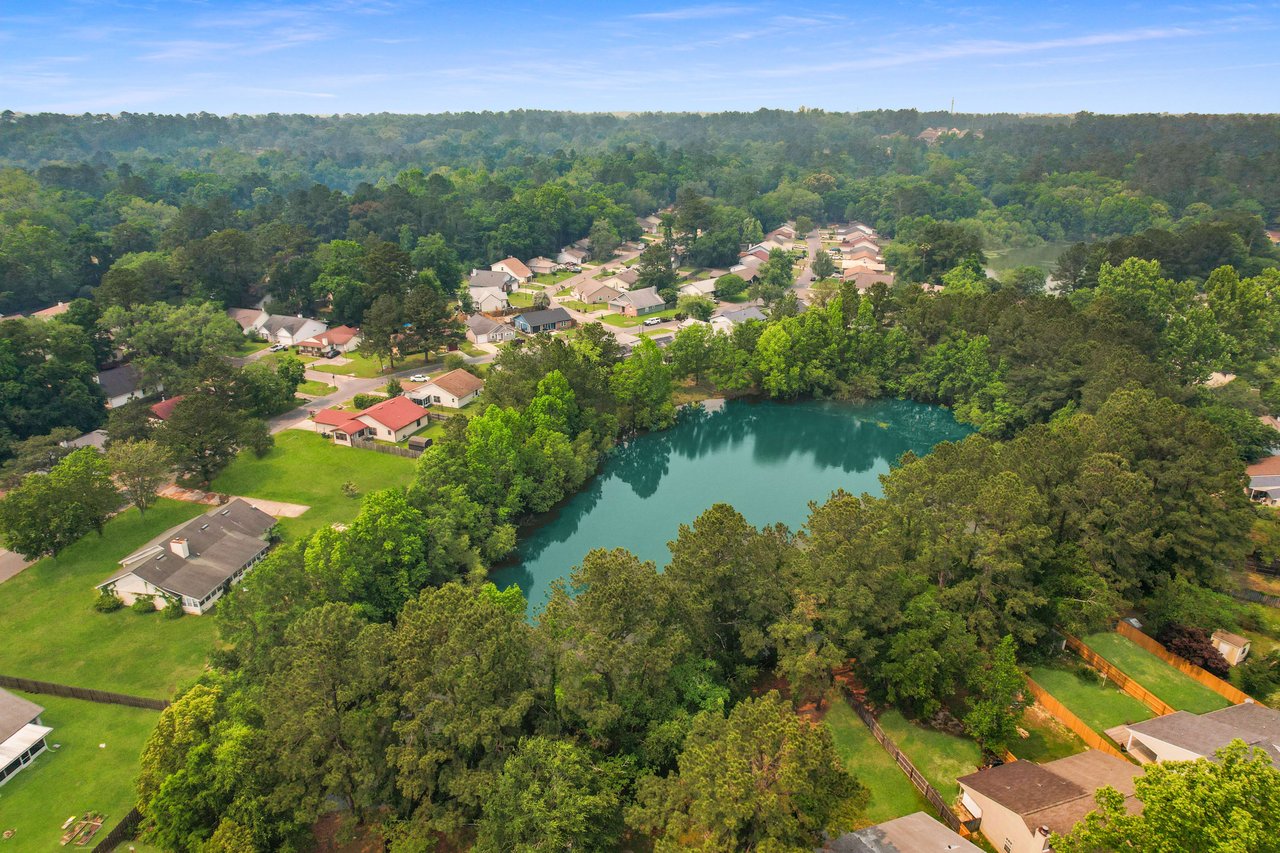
{"type": "Point", "coordinates": [10, 564]}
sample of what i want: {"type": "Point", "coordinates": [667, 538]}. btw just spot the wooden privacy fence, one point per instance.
{"type": "Point", "coordinates": [123, 830]}
{"type": "Point", "coordinates": [1064, 715]}
{"type": "Point", "coordinates": [949, 817]}
{"type": "Point", "coordinates": [1254, 596]}
{"type": "Point", "coordinates": [1158, 706]}
{"type": "Point", "coordinates": [104, 696]}
{"type": "Point", "coordinates": [406, 452]}
{"type": "Point", "coordinates": [1224, 689]}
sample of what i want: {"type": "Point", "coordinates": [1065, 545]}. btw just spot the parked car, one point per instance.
{"type": "Point", "coordinates": [418, 377]}
{"type": "Point", "coordinates": [278, 347]}
{"type": "Point", "coordinates": [653, 321]}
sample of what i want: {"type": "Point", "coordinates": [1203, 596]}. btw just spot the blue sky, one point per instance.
{"type": "Point", "coordinates": [360, 56]}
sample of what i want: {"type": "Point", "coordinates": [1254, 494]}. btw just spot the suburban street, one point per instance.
{"type": "Point", "coordinates": [806, 277]}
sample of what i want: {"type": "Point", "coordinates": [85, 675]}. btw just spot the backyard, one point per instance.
{"type": "Point", "coordinates": [368, 367]}
{"type": "Point", "coordinates": [63, 639]}
{"type": "Point", "coordinates": [625, 322]}
{"type": "Point", "coordinates": [307, 469]}
{"type": "Point", "coordinates": [941, 757]}
{"type": "Point", "coordinates": [77, 777]}
{"type": "Point", "coordinates": [1048, 739]}
{"type": "Point", "coordinates": [1100, 705]}
{"type": "Point", "coordinates": [892, 795]}
{"type": "Point", "coordinates": [1180, 691]}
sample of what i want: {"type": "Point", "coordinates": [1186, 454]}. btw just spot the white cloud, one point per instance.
{"type": "Point", "coordinates": [693, 13]}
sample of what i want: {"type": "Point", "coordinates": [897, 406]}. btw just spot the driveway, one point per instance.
{"type": "Point", "coordinates": [10, 564]}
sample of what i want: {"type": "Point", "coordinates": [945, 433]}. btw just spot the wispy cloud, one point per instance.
{"type": "Point", "coordinates": [694, 13]}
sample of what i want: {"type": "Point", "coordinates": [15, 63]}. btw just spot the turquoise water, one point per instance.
{"type": "Point", "coordinates": [767, 459]}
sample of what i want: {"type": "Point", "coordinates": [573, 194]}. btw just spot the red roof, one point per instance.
{"type": "Point", "coordinates": [352, 427]}
{"type": "Point", "coordinates": [396, 413]}
{"type": "Point", "coordinates": [337, 336]}
{"type": "Point", "coordinates": [331, 417]}
{"type": "Point", "coordinates": [164, 408]}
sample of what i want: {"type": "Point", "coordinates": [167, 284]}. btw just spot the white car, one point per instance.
{"type": "Point", "coordinates": [653, 321]}
{"type": "Point", "coordinates": [418, 377]}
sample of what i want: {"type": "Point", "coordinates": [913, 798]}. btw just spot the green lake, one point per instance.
{"type": "Point", "coordinates": [767, 459]}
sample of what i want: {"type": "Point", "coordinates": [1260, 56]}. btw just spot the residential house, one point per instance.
{"type": "Point", "coordinates": [573, 255]}
{"type": "Point", "coordinates": [492, 279]}
{"type": "Point", "coordinates": [541, 265]}
{"type": "Point", "coordinates": [705, 287]}
{"type": "Point", "coordinates": [290, 330]}
{"type": "Point", "coordinates": [862, 262]}
{"type": "Point", "coordinates": [1021, 803]}
{"type": "Point", "coordinates": [250, 320]}
{"type": "Point", "coordinates": [94, 438]}
{"type": "Point", "coordinates": [21, 734]}
{"type": "Point", "coordinates": [482, 330]}
{"type": "Point", "coordinates": [339, 339]}
{"type": "Point", "coordinates": [748, 270]}
{"type": "Point", "coordinates": [513, 267]}
{"type": "Point", "coordinates": [637, 303]}
{"type": "Point", "coordinates": [393, 419]}
{"type": "Point", "coordinates": [1233, 647]}
{"type": "Point", "coordinates": [162, 410]}
{"type": "Point", "coordinates": [489, 300]}
{"type": "Point", "coordinates": [760, 253]}
{"type": "Point", "coordinates": [195, 563]}
{"type": "Point", "coordinates": [650, 224]}
{"type": "Point", "coordinates": [862, 252]}
{"type": "Point", "coordinates": [52, 311]}
{"type": "Point", "coordinates": [453, 390]}
{"type": "Point", "coordinates": [547, 320]}
{"type": "Point", "coordinates": [627, 276]}
{"type": "Point", "coordinates": [591, 291]}
{"type": "Point", "coordinates": [914, 833]}
{"type": "Point", "coordinates": [1264, 481]}
{"type": "Point", "coordinates": [867, 279]}
{"type": "Point", "coordinates": [124, 383]}
{"type": "Point", "coordinates": [1183, 736]}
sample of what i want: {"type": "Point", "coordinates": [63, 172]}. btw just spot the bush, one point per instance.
{"type": "Point", "coordinates": [107, 602]}
{"type": "Point", "coordinates": [454, 361]}
{"type": "Point", "coordinates": [173, 609]}
{"type": "Point", "coordinates": [349, 489]}
{"type": "Point", "coordinates": [1259, 675]}
{"type": "Point", "coordinates": [143, 604]}
{"type": "Point", "coordinates": [394, 388]}
{"type": "Point", "coordinates": [364, 401]}
{"type": "Point", "coordinates": [1194, 644]}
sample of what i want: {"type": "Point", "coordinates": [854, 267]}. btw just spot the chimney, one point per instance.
{"type": "Point", "coordinates": [178, 545]}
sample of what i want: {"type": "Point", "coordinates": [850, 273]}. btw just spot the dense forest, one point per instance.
{"type": "Point", "coordinates": [373, 666]}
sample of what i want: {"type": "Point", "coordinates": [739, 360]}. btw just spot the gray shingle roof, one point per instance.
{"type": "Point", "coordinates": [489, 278]}
{"type": "Point", "coordinates": [546, 316]}
{"type": "Point", "coordinates": [914, 833]}
{"type": "Point", "coordinates": [283, 322]}
{"type": "Point", "coordinates": [15, 712]}
{"type": "Point", "coordinates": [119, 381]}
{"type": "Point", "coordinates": [220, 543]}
{"type": "Point", "coordinates": [481, 324]}
{"type": "Point", "coordinates": [1207, 733]}
{"type": "Point", "coordinates": [645, 297]}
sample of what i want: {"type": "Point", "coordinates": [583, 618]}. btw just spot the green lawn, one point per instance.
{"type": "Point", "coordinates": [1101, 706]}
{"type": "Point", "coordinates": [553, 278]}
{"type": "Point", "coordinates": [626, 322]}
{"type": "Point", "coordinates": [578, 305]}
{"type": "Point", "coordinates": [78, 776]}
{"type": "Point", "coordinates": [52, 633]}
{"type": "Point", "coordinates": [249, 346]}
{"type": "Point", "coordinates": [1049, 740]}
{"type": "Point", "coordinates": [892, 795]}
{"type": "Point", "coordinates": [1180, 691]}
{"type": "Point", "coordinates": [315, 389]}
{"type": "Point", "coordinates": [941, 757]}
{"type": "Point", "coordinates": [307, 469]}
{"type": "Point", "coordinates": [368, 367]}
{"type": "Point", "coordinates": [470, 348]}
{"type": "Point", "coordinates": [1044, 256]}
{"type": "Point", "coordinates": [520, 300]}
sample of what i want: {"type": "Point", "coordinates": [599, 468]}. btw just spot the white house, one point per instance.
{"type": "Point", "coordinates": [482, 330]}
{"type": "Point", "coordinates": [489, 300]}
{"type": "Point", "coordinates": [1183, 736]}
{"type": "Point", "coordinates": [250, 320]}
{"type": "Point", "coordinates": [513, 267]}
{"type": "Point", "coordinates": [337, 339]}
{"type": "Point", "coordinates": [393, 419]}
{"type": "Point", "coordinates": [124, 383]}
{"type": "Point", "coordinates": [453, 390]}
{"type": "Point", "coordinates": [21, 734]}
{"type": "Point", "coordinates": [541, 265]}
{"type": "Point", "coordinates": [706, 287]}
{"type": "Point", "coordinates": [494, 278]}
{"type": "Point", "coordinates": [573, 255]}
{"type": "Point", "coordinates": [197, 562]}
{"type": "Point", "coordinates": [289, 330]}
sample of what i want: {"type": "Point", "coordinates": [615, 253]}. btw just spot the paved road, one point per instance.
{"type": "Point", "coordinates": [805, 277]}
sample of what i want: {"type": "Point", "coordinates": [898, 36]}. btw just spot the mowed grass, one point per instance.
{"type": "Point", "coordinates": [1100, 705]}
{"type": "Point", "coordinates": [313, 388]}
{"type": "Point", "coordinates": [78, 776]}
{"type": "Point", "coordinates": [305, 468]}
{"type": "Point", "coordinates": [368, 367]}
{"type": "Point", "coordinates": [51, 632]}
{"type": "Point", "coordinates": [625, 322]}
{"type": "Point", "coordinates": [1048, 739]}
{"type": "Point", "coordinates": [1180, 691]}
{"type": "Point", "coordinates": [942, 758]}
{"type": "Point", "coordinates": [892, 795]}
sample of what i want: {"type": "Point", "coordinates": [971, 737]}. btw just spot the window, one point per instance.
{"type": "Point", "coordinates": [1008, 846]}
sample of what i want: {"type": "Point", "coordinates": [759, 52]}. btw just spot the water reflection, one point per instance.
{"type": "Point", "coordinates": [767, 459]}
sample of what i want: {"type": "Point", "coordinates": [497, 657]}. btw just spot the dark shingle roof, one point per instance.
{"type": "Point", "coordinates": [914, 833]}
{"type": "Point", "coordinates": [121, 380]}
{"type": "Point", "coordinates": [15, 712]}
{"type": "Point", "coordinates": [546, 316]}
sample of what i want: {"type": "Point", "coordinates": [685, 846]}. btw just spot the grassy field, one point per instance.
{"type": "Point", "coordinates": [1101, 706]}
{"type": "Point", "coordinates": [520, 300]}
{"type": "Point", "coordinates": [249, 346]}
{"type": "Point", "coordinates": [892, 795]}
{"type": "Point", "coordinates": [51, 632]}
{"type": "Point", "coordinates": [553, 278]}
{"type": "Point", "coordinates": [1044, 256]}
{"type": "Point", "coordinates": [625, 322]}
{"type": "Point", "coordinates": [78, 776]}
{"type": "Point", "coordinates": [1180, 691]}
{"type": "Point", "coordinates": [1049, 740]}
{"type": "Point", "coordinates": [367, 367]}
{"type": "Point", "coordinates": [941, 757]}
{"type": "Point", "coordinates": [307, 469]}
{"type": "Point", "coordinates": [315, 389]}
